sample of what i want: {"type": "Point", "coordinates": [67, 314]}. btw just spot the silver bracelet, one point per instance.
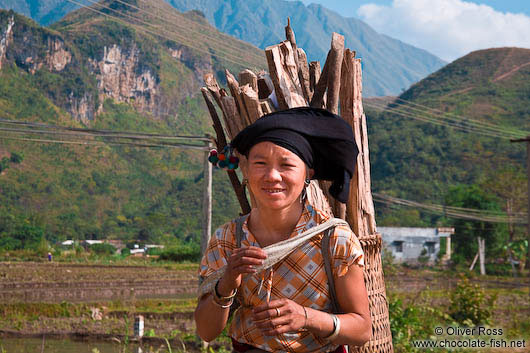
{"type": "Point", "coordinates": [336, 328]}
{"type": "Point", "coordinates": [222, 305]}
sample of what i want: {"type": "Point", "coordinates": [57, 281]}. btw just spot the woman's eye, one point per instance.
{"type": "Point", "coordinates": [288, 165]}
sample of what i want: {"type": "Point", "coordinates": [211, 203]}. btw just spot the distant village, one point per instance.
{"type": "Point", "coordinates": [119, 245]}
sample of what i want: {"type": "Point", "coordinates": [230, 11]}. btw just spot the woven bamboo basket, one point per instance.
{"type": "Point", "coordinates": [375, 286]}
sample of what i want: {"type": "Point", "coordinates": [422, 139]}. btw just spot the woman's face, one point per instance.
{"type": "Point", "coordinates": [275, 175]}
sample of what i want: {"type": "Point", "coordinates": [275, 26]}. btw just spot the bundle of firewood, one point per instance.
{"type": "Point", "coordinates": [292, 82]}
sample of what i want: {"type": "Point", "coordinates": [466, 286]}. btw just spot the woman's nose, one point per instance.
{"type": "Point", "coordinates": [272, 174]}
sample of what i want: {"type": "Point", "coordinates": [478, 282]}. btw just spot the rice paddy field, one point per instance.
{"type": "Point", "coordinates": [94, 303]}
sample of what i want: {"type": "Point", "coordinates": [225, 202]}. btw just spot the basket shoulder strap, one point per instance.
{"type": "Point", "coordinates": [329, 273]}
{"type": "Point", "coordinates": [239, 229]}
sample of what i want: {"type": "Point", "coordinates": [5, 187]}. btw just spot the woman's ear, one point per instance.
{"type": "Point", "coordinates": [243, 164]}
{"type": "Point", "coordinates": [310, 173]}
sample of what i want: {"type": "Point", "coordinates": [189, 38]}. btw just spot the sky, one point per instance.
{"type": "Point", "coordinates": [447, 28]}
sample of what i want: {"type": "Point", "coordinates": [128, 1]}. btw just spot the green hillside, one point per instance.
{"type": "Point", "coordinates": [422, 161]}
{"type": "Point", "coordinates": [64, 191]}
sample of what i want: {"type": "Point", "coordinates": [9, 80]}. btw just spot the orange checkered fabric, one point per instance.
{"type": "Point", "coordinates": [300, 276]}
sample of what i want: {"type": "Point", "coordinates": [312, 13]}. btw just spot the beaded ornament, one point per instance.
{"type": "Point", "coordinates": [225, 159]}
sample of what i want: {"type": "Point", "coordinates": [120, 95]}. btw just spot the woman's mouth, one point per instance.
{"type": "Point", "coordinates": [273, 190]}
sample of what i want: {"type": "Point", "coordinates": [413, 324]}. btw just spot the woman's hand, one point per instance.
{"type": "Point", "coordinates": [242, 261]}
{"type": "Point", "coordinates": [280, 316]}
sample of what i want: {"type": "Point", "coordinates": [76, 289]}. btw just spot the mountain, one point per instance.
{"type": "Point", "coordinates": [43, 11]}
{"type": "Point", "coordinates": [419, 160]}
{"type": "Point", "coordinates": [390, 66]}
{"type": "Point", "coordinates": [89, 71]}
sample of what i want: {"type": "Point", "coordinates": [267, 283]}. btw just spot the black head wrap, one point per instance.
{"type": "Point", "coordinates": [324, 141]}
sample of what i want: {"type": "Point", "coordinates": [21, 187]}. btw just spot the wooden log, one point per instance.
{"type": "Point", "coordinates": [266, 106]}
{"type": "Point", "coordinates": [314, 74]}
{"type": "Point", "coordinates": [219, 94]}
{"type": "Point", "coordinates": [321, 86]}
{"type": "Point", "coordinates": [317, 198]}
{"type": "Point", "coordinates": [218, 127]}
{"type": "Point", "coordinates": [233, 85]}
{"type": "Point", "coordinates": [346, 87]}
{"type": "Point", "coordinates": [221, 143]}
{"type": "Point", "coordinates": [213, 87]}
{"type": "Point", "coordinates": [265, 85]}
{"type": "Point", "coordinates": [252, 103]}
{"type": "Point", "coordinates": [303, 75]}
{"type": "Point", "coordinates": [235, 125]}
{"type": "Point", "coordinates": [248, 77]}
{"type": "Point", "coordinates": [289, 35]}
{"type": "Point", "coordinates": [337, 52]}
{"type": "Point", "coordinates": [284, 75]}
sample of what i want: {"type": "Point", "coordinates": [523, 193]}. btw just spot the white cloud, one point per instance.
{"type": "Point", "coordinates": [448, 28]}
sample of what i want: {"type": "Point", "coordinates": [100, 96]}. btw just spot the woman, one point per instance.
{"type": "Point", "coordinates": [287, 306]}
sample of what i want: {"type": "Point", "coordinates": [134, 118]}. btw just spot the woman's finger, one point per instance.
{"type": "Point", "coordinates": [251, 251]}
{"type": "Point", "coordinates": [277, 303]}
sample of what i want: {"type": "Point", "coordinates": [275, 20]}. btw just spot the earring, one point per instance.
{"type": "Point", "coordinates": [303, 196]}
{"type": "Point", "coordinates": [307, 182]}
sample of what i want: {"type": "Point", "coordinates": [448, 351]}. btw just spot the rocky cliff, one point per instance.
{"type": "Point", "coordinates": [85, 59]}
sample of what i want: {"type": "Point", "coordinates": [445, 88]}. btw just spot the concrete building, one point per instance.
{"type": "Point", "coordinates": [408, 244]}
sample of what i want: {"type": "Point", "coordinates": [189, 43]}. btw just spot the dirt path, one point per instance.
{"type": "Point", "coordinates": [512, 71]}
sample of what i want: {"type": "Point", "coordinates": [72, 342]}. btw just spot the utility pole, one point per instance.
{"type": "Point", "coordinates": [206, 201]}
{"type": "Point", "coordinates": [527, 140]}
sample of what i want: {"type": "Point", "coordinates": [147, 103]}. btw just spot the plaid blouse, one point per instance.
{"type": "Point", "coordinates": [300, 277]}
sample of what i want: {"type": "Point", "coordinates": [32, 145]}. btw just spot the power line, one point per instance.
{"type": "Point", "coordinates": [191, 23]}
{"type": "Point", "coordinates": [145, 30]}
{"type": "Point", "coordinates": [180, 146]}
{"type": "Point", "coordinates": [103, 132]}
{"type": "Point", "coordinates": [436, 121]}
{"type": "Point", "coordinates": [447, 211]}
{"type": "Point", "coordinates": [474, 121]}
{"type": "Point", "coordinates": [145, 23]}
{"type": "Point", "coordinates": [463, 120]}
{"type": "Point", "coordinates": [458, 123]}
{"type": "Point", "coordinates": [150, 139]}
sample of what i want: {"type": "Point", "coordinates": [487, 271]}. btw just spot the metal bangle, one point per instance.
{"type": "Point", "coordinates": [222, 305]}
{"type": "Point", "coordinates": [220, 297]}
{"type": "Point", "coordinates": [336, 328]}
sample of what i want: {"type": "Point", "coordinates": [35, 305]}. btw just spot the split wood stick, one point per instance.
{"type": "Point", "coordinates": [218, 127]}
{"type": "Point", "coordinates": [284, 75]}
{"type": "Point", "coordinates": [233, 85]}
{"type": "Point", "coordinates": [320, 88]}
{"type": "Point", "coordinates": [219, 94]}
{"type": "Point", "coordinates": [314, 74]}
{"type": "Point", "coordinates": [303, 75]}
{"type": "Point", "coordinates": [248, 77]}
{"type": "Point", "coordinates": [346, 94]}
{"type": "Point", "coordinates": [213, 87]}
{"type": "Point", "coordinates": [347, 87]}
{"type": "Point", "coordinates": [251, 101]}
{"type": "Point", "coordinates": [221, 143]}
{"type": "Point", "coordinates": [289, 35]}
{"type": "Point", "coordinates": [368, 206]}
{"type": "Point", "coordinates": [316, 197]}
{"type": "Point", "coordinates": [233, 123]}
{"type": "Point", "coordinates": [266, 106]}
{"type": "Point", "coordinates": [337, 52]}
{"type": "Point", "coordinates": [265, 85]}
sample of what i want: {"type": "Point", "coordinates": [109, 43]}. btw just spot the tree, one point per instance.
{"type": "Point", "coordinates": [467, 231]}
{"type": "Point", "coordinates": [510, 185]}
